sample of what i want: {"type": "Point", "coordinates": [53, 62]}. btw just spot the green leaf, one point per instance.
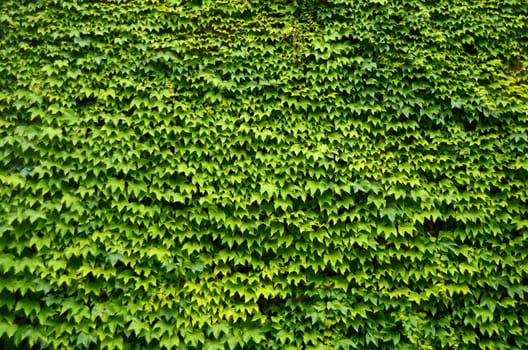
{"type": "Point", "coordinates": [86, 339]}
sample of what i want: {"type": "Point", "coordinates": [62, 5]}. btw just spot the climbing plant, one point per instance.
{"type": "Point", "coordinates": [252, 174]}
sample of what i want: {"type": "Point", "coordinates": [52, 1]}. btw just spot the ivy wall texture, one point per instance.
{"type": "Point", "coordinates": [250, 174]}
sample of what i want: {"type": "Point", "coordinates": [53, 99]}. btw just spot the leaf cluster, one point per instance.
{"type": "Point", "coordinates": [245, 174]}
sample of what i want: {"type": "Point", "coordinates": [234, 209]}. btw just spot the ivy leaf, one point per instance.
{"type": "Point", "coordinates": [7, 329]}
{"type": "Point", "coordinates": [86, 339]}
{"type": "Point", "coordinates": [197, 267]}
{"type": "Point", "coordinates": [255, 335]}
{"type": "Point", "coordinates": [268, 189]}
{"type": "Point", "coordinates": [34, 215]}
{"type": "Point", "coordinates": [216, 329]}
{"type": "Point", "coordinates": [390, 212]}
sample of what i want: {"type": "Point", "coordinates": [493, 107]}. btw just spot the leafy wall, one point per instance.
{"type": "Point", "coordinates": [263, 174]}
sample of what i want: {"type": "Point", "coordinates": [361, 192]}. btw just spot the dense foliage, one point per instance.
{"type": "Point", "coordinates": [263, 174]}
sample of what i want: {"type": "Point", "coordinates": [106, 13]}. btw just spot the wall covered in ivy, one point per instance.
{"type": "Point", "coordinates": [250, 174]}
